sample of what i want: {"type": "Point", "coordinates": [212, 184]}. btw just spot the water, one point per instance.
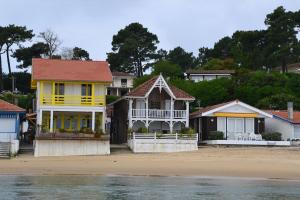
{"type": "Point", "coordinates": [146, 188]}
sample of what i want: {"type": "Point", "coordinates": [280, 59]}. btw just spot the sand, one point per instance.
{"type": "Point", "coordinates": [254, 162]}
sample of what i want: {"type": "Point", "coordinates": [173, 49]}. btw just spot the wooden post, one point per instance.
{"type": "Point", "coordinates": [93, 121]}
{"type": "Point", "coordinates": [51, 121]}
{"type": "Point", "coordinates": [187, 114]}
{"type": "Point", "coordinates": [147, 121]}
{"type": "Point", "coordinates": [53, 93]}
{"type": "Point", "coordinates": [93, 94]}
{"type": "Point", "coordinates": [130, 113]}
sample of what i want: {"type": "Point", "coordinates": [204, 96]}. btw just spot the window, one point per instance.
{"type": "Point", "coordinates": [86, 93]}
{"type": "Point", "coordinates": [59, 89]}
{"type": "Point", "coordinates": [124, 82]}
{"type": "Point", "coordinates": [86, 90]}
{"type": "Point", "coordinates": [59, 93]}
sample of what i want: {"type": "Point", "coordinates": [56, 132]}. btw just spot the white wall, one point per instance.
{"type": "Point", "coordinates": [7, 129]}
{"type": "Point", "coordinates": [297, 131]}
{"type": "Point", "coordinates": [278, 125]}
{"type": "Point", "coordinates": [207, 77]}
{"type": "Point", "coordinates": [71, 147]}
{"type": "Point", "coordinates": [162, 145]}
{"type": "Point", "coordinates": [117, 81]}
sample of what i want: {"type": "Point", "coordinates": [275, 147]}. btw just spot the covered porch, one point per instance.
{"type": "Point", "coordinates": [71, 122]}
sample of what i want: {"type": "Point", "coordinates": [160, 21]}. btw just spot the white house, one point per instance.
{"type": "Point", "coordinates": [239, 122]}
{"type": "Point", "coordinates": [10, 123]}
{"type": "Point", "coordinates": [121, 85]}
{"type": "Point", "coordinates": [70, 99]}
{"type": "Point", "coordinates": [207, 75]}
{"type": "Point", "coordinates": [161, 109]}
{"type": "Point", "coordinates": [285, 122]}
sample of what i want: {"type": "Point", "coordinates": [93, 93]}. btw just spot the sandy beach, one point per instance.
{"type": "Point", "coordinates": [255, 162]}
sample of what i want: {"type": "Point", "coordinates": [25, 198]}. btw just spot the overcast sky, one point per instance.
{"type": "Point", "coordinates": [90, 24]}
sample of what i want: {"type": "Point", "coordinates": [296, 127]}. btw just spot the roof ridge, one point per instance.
{"type": "Point", "coordinates": [66, 60]}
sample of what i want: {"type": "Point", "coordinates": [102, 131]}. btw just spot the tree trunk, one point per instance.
{"type": "Point", "coordinates": [9, 70]}
{"type": "Point", "coordinates": [284, 66]}
{"type": "Point", "coordinates": [1, 74]}
{"type": "Point", "coordinates": [8, 61]}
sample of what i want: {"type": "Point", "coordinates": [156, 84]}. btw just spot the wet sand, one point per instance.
{"type": "Point", "coordinates": [253, 162]}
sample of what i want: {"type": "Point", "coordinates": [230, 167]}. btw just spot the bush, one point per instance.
{"type": "Point", "coordinates": [216, 135]}
{"type": "Point", "coordinates": [275, 136]}
{"type": "Point", "coordinates": [187, 131]}
{"type": "Point", "coordinates": [142, 130]}
{"type": "Point", "coordinates": [111, 98]}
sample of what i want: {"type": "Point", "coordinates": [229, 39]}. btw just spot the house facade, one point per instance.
{"type": "Point", "coordinates": [159, 107]}
{"type": "Point", "coordinates": [207, 75]}
{"type": "Point", "coordinates": [121, 85]}
{"type": "Point", "coordinates": [10, 126]}
{"type": "Point", "coordinates": [162, 111]}
{"type": "Point", "coordinates": [235, 119]}
{"type": "Point", "coordinates": [285, 122]}
{"type": "Point", "coordinates": [70, 95]}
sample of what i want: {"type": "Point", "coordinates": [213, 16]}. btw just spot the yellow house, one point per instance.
{"type": "Point", "coordinates": [70, 94]}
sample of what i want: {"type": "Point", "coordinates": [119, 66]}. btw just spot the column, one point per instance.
{"type": "Point", "coordinates": [172, 115]}
{"type": "Point", "coordinates": [93, 121]}
{"type": "Point", "coordinates": [51, 121]}
{"type": "Point", "coordinates": [103, 122]}
{"type": "Point", "coordinates": [147, 121]}
{"type": "Point", "coordinates": [187, 105]}
{"type": "Point", "coordinates": [117, 91]}
{"type": "Point", "coordinates": [130, 113]}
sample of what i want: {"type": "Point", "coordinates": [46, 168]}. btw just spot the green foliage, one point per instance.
{"type": "Point", "coordinates": [111, 98]}
{"type": "Point", "coordinates": [80, 54]}
{"type": "Point", "coordinates": [278, 102]}
{"type": "Point", "coordinates": [167, 69]}
{"type": "Point", "coordinates": [22, 82]}
{"type": "Point", "coordinates": [218, 64]}
{"type": "Point", "coordinates": [187, 131]}
{"type": "Point", "coordinates": [274, 136]}
{"type": "Point", "coordinates": [24, 101]}
{"type": "Point", "coordinates": [142, 130]}
{"type": "Point", "coordinates": [216, 135]}
{"type": "Point", "coordinates": [133, 48]}
{"type": "Point", "coordinates": [182, 58]}
{"type": "Point", "coordinates": [25, 54]}
{"type": "Point", "coordinates": [141, 80]}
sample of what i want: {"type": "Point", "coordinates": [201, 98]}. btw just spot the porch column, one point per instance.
{"type": "Point", "coordinates": [172, 115]}
{"type": "Point", "coordinates": [147, 121]}
{"type": "Point", "coordinates": [103, 121]}
{"type": "Point", "coordinates": [93, 121]}
{"type": "Point", "coordinates": [51, 121]}
{"type": "Point", "coordinates": [187, 105]}
{"type": "Point", "coordinates": [117, 91]}
{"type": "Point", "coordinates": [130, 113]}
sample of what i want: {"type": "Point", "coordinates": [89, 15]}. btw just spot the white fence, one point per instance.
{"type": "Point", "coordinates": [158, 114]}
{"type": "Point", "coordinates": [153, 142]}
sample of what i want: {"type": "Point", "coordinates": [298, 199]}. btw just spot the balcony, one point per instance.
{"type": "Point", "coordinates": [72, 100]}
{"type": "Point", "coordinates": [158, 114]}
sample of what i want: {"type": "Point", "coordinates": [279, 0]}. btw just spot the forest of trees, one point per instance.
{"type": "Point", "coordinates": [253, 54]}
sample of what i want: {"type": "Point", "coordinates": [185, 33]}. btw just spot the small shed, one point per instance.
{"type": "Point", "coordinates": [10, 123]}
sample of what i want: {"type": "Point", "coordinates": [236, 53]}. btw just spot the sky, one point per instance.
{"type": "Point", "coordinates": [91, 24]}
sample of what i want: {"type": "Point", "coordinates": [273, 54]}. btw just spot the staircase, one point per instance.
{"type": "Point", "coordinates": [4, 150]}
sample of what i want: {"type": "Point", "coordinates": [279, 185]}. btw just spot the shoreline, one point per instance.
{"type": "Point", "coordinates": [258, 163]}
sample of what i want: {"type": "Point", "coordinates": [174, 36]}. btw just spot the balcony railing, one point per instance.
{"type": "Point", "coordinates": [72, 100]}
{"type": "Point", "coordinates": [158, 114]}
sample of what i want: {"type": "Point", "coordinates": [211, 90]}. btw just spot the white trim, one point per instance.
{"type": "Point", "coordinates": [237, 103]}
{"type": "Point", "coordinates": [73, 108]}
{"type": "Point", "coordinates": [210, 75]}
{"type": "Point", "coordinates": [161, 78]}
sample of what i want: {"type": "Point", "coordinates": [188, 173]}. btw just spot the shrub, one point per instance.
{"type": "Point", "coordinates": [111, 98]}
{"type": "Point", "coordinates": [216, 135]}
{"type": "Point", "coordinates": [142, 130]}
{"type": "Point", "coordinates": [274, 136]}
{"type": "Point", "coordinates": [187, 131]}
{"type": "Point", "coordinates": [61, 130]}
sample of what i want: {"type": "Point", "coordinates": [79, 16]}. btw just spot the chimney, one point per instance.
{"type": "Point", "coordinates": [290, 110]}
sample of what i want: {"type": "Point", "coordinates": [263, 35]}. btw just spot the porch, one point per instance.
{"type": "Point", "coordinates": [247, 142]}
{"type": "Point", "coordinates": [70, 122]}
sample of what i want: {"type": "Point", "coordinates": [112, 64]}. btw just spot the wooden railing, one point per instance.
{"type": "Point", "coordinates": [173, 136]}
{"type": "Point", "coordinates": [158, 114]}
{"type": "Point", "coordinates": [72, 100]}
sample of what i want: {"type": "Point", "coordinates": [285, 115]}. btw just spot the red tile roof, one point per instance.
{"type": "Point", "coordinates": [208, 108]}
{"type": "Point", "coordinates": [283, 114]}
{"type": "Point", "coordinates": [8, 107]}
{"type": "Point", "coordinates": [70, 70]}
{"type": "Point", "coordinates": [144, 88]}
